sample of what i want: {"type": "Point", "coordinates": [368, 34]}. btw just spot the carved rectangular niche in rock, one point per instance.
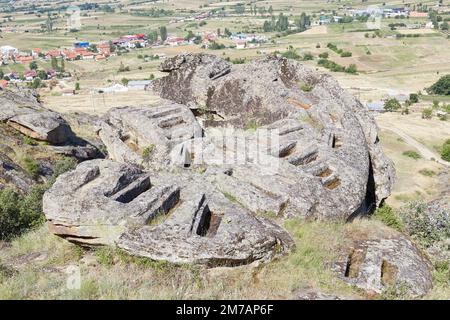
{"type": "Point", "coordinates": [133, 190]}
{"type": "Point", "coordinates": [332, 182]}
{"type": "Point", "coordinates": [205, 222]}
{"type": "Point", "coordinates": [388, 273]}
{"type": "Point", "coordinates": [305, 158]}
{"type": "Point", "coordinates": [336, 143]}
{"type": "Point", "coordinates": [354, 261]}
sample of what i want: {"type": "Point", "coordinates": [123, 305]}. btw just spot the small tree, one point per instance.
{"type": "Point", "coordinates": [163, 33]}
{"type": "Point", "coordinates": [351, 69]}
{"type": "Point", "coordinates": [124, 81]}
{"type": "Point", "coordinates": [63, 65]}
{"type": "Point", "coordinates": [33, 65]}
{"type": "Point", "coordinates": [77, 86]}
{"type": "Point", "coordinates": [392, 105]}
{"type": "Point", "coordinates": [427, 113]}
{"type": "Point", "coordinates": [445, 153]}
{"type": "Point", "coordinates": [414, 97]}
{"type": "Point", "coordinates": [441, 87]}
{"type": "Point", "coordinates": [42, 74]}
{"type": "Point", "coordinates": [54, 63]}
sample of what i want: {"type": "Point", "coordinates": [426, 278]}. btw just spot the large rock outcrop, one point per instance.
{"type": "Point", "coordinates": [145, 136]}
{"type": "Point", "coordinates": [177, 218]}
{"type": "Point", "coordinates": [382, 259]}
{"type": "Point", "coordinates": [195, 179]}
{"type": "Point", "coordinates": [320, 125]}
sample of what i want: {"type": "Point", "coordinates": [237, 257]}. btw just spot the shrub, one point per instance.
{"type": "Point", "coordinates": [414, 97]}
{"type": "Point", "coordinates": [427, 172]}
{"type": "Point", "coordinates": [238, 61]}
{"type": "Point", "coordinates": [216, 46]}
{"type": "Point", "coordinates": [148, 151]}
{"type": "Point", "coordinates": [61, 166]}
{"type": "Point", "coordinates": [324, 55]}
{"type": "Point", "coordinates": [18, 212]}
{"type": "Point", "coordinates": [352, 69]}
{"type": "Point", "coordinates": [427, 113]}
{"type": "Point", "coordinates": [291, 54]}
{"type": "Point", "coordinates": [389, 217]}
{"type": "Point", "coordinates": [31, 166]}
{"type": "Point", "coordinates": [445, 153]}
{"type": "Point", "coordinates": [306, 87]}
{"type": "Point", "coordinates": [412, 154]}
{"type": "Point", "coordinates": [29, 141]}
{"type": "Point", "coordinates": [392, 105]}
{"type": "Point", "coordinates": [425, 226]}
{"type": "Point", "coordinates": [346, 54]}
{"type": "Point", "coordinates": [441, 87]}
{"type": "Point", "coordinates": [308, 56]}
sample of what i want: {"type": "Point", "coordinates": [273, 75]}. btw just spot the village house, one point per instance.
{"type": "Point", "coordinates": [51, 74]}
{"type": "Point", "coordinates": [87, 55]}
{"type": "Point", "coordinates": [175, 41]}
{"type": "Point", "coordinates": [35, 52]}
{"type": "Point", "coordinates": [240, 44]}
{"type": "Point", "coordinates": [53, 54]}
{"type": "Point", "coordinates": [417, 14]}
{"type": "Point", "coordinates": [70, 55]}
{"type": "Point", "coordinates": [13, 76]}
{"type": "Point", "coordinates": [30, 75]}
{"type": "Point", "coordinates": [81, 44]}
{"type": "Point", "coordinates": [376, 106]}
{"type": "Point", "coordinates": [138, 84]}
{"type": "Point", "coordinates": [23, 59]}
{"type": "Point", "coordinates": [104, 49]}
{"type": "Point", "coordinates": [100, 57]}
{"type": "Point", "coordinates": [3, 84]}
{"type": "Point", "coordinates": [8, 51]}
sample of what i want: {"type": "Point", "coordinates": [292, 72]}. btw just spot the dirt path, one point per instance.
{"type": "Point", "coordinates": [423, 150]}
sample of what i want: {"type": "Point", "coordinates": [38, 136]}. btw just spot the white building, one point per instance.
{"type": "Point", "coordinates": [138, 84]}
{"type": "Point", "coordinates": [8, 51]}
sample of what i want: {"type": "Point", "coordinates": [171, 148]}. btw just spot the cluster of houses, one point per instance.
{"type": "Point", "coordinates": [386, 12]}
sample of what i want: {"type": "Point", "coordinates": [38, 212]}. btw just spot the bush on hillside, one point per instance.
{"type": "Point", "coordinates": [441, 87]}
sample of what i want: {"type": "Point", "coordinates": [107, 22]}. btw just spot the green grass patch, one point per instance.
{"type": "Point", "coordinates": [389, 217]}
{"type": "Point", "coordinates": [412, 154]}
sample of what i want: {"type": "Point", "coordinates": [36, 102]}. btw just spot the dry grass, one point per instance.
{"type": "Point", "coordinates": [119, 276]}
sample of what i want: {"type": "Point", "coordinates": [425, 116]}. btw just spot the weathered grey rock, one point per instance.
{"type": "Point", "coordinates": [163, 216]}
{"type": "Point", "coordinates": [204, 227]}
{"type": "Point", "coordinates": [12, 174]}
{"type": "Point", "coordinates": [93, 204]}
{"type": "Point", "coordinates": [17, 102]}
{"type": "Point", "coordinates": [384, 259]}
{"type": "Point", "coordinates": [325, 134]}
{"type": "Point", "coordinates": [80, 152]}
{"type": "Point", "coordinates": [22, 111]}
{"type": "Point", "coordinates": [46, 126]}
{"type": "Point", "coordinates": [196, 71]}
{"type": "Point", "coordinates": [145, 136]}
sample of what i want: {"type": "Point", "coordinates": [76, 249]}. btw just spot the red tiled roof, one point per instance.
{"type": "Point", "coordinates": [3, 83]}
{"type": "Point", "coordinates": [24, 59]}
{"type": "Point", "coordinates": [53, 53]}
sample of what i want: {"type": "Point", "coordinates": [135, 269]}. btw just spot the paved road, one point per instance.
{"type": "Point", "coordinates": [423, 150]}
